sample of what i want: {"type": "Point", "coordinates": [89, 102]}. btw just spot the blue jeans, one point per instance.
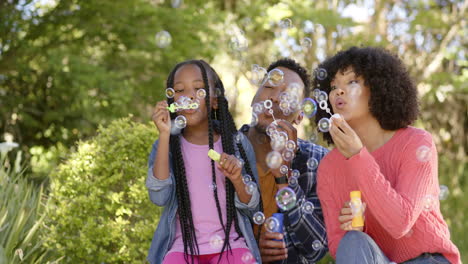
{"type": "Point", "coordinates": [358, 247]}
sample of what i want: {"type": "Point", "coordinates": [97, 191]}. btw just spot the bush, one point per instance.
{"type": "Point", "coordinates": [100, 210]}
{"type": "Point", "coordinates": [22, 212]}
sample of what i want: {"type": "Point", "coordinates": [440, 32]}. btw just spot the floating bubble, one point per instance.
{"type": "Point", "coordinates": [275, 77]}
{"type": "Point", "coordinates": [322, 96]}
{"type": "Point", "coordinates": [317, 245]}
{"type": "Point", "coordinates": [320, 74]}
{"type": "Point", "coordinates": [312, 163]}
{"type": "Point", "coordinates": [163, 39]}
{"type": "Point", "coordinates": [250, 187]}
{"type": "Point", "coordinates": [291, 145]}
{"type": "Point", "coordinates": [284, 169]}
{"type": "Point", "coordinates": [258, 75]}
{"type": "Point", "coordinates": [296, 173]}
{"type": "Point", "coordinates": [428, 202]}
{"type": "Point", "coordinates": [254, 120]}
{"type": "Point", "coordinates": [306, 43]}
{"type": "Point", "coordinates": [423, 153]}
{"type": "Point", "coordinates": [285, 198]}
{"type": "Point", "coordinates": [316, 93]}
{"type": "Point", "coordinates": [247, 257]}
{"type": "Point", "coordinates": [268, 104]}
{"type": "Point", "coordinates": [212, 186]}
{"type": "Point", "coordinates": [293, 181]}
{"type": "Point", "coordinates": [257, 108]}
{"type": "Point", "coordinates": [274, 159]}
{"type": "Point", "coordinates": [258, 218]}
{"type": "Point", "coordinates": [180, 122]}
{"type": "Point", "coordinates": [239, 43]}
{"type": "Point", "coordinates": [288, 155]}
{"type": "Point", "coordinates": [313, 137]}
{"type": "Point", "coordinates": [240, 163]}
{"type": "Point", "coordinates": [307, 207]}
{"type": "Point", "coordinates": [309, 107]}
{"type": "Point", "coordinates": [323, 105]}
{"type": "Point", "coordinates": [246, 178]}
{"type": "Point", "coordinates": [294, 105]}
{"type": "Point", "coordinates": [238, 137]}
{"type": "Point", "coordinates": [272, 224]}
{"type": "Point", "coordinates": [216, 242]}
{"type": "Point", "coordinates": [284, 105]}
{"type": "Point", "coordinates": [201, 93]}
{"type": "Point", "coordinates": [444, 192]}
{"type": "Point", "coordinates": [170, 93]}
{"type": "Point", "coordinates": [277, 143]}
{"type": "Point", "coordinates": [284, 96]}
{"type": "Point", "coordinates": [271, 129]}
{"type": "Point", "coordinates": [285, 23]}
{"type": "Point", "coordinates": [176, 3]}
{"type": "Point", "coordinates": [324, 125]}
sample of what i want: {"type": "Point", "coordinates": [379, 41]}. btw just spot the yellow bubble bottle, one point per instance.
{"type": "Point", "coordinates": [356, 209]}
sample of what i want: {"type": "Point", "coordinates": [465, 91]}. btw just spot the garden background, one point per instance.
{"type": "Point", "coordinates": [79, 78]}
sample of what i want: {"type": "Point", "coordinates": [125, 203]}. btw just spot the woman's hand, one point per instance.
{"type": "Point", "coordinates": [162, 118]}
{"type": "Point", "coordinates": [231, 167]}
{"type": "Point", "coordinates": [344, 137]}
{"type": "Point", "coordinates": [346, 217]}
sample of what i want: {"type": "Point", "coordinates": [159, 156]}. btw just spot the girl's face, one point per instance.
{"type": "Point", "coordinates": [349, 96]}
{"type": "Point", "coordinates": [187, 81]}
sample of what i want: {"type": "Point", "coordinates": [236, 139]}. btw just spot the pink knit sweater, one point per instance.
{"type": "Point", "coordinates": [399, 184]}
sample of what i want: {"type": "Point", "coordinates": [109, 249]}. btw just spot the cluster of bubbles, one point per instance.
{"type": "Point", "coordinates": [183, 103]}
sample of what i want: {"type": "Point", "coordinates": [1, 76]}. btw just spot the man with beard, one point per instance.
{"type": "Point", "coordinates": [304, 238]}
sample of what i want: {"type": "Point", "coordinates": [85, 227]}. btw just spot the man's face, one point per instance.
{"type": "Point", "coordinates": [292, 86]}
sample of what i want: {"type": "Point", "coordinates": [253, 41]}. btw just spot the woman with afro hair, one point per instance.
{"type": "Point", "coordinates": [377, 152]}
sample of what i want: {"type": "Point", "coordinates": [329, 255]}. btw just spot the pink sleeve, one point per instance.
{"type": "Point", "coordinates": [397, 208]}
{"type": "Point", "coordinates": [330, 208]}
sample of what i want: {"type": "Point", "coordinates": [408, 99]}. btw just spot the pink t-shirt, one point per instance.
{"type": "Point", "coordinates": [400, 186]}
{"type": "Point", "coordinates": [208, 229]}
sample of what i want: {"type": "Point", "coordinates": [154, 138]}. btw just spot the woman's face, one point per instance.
{"type": "Point", "coordinates": [188, 81]}
{"type": "Point", "coordinates": [349, 96]}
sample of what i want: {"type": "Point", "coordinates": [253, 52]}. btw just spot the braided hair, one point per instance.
{"type": "Point", "coordinates": [219, 120]}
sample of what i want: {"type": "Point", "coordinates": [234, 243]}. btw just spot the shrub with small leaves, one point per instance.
{"type": "Point", "coordinates": [100, 211]}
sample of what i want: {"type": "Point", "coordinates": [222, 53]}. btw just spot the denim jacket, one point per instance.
{"type": "Point", "coordinates": [163, 193]}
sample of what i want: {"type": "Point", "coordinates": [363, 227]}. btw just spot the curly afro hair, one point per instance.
{"type": "Point", "coordinates": [393, 95]}
{"type": "Point", "coordinates": [295, 67]}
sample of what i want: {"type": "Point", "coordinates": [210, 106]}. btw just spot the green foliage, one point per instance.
{"type": "Point", "coordinates": [100, 210]}
{"type": "Point", "coordinates": [22, 213]}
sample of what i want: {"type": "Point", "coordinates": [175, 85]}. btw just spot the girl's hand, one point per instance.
{"type": "Point", "coordinates": [344, 137]}
{"type": "Point", "coordinates": [161, 118]}
{"type": "Point", "coordinates": [346, 217]}
{"type": "Point", "coordinates": [231, 167]}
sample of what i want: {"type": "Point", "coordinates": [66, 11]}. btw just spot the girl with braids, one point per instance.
{"type": "Point", "coordinates": [206, 205]}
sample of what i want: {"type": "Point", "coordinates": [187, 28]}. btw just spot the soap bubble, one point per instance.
{"type": "Point", "coordinates": [313, 137]}
{"type": "Point", "coordinates": [254, 120]}
{"type": "Point", "coordinates": [284, 97]}
{"type": "Point", "coordinates": [271, 129]}
{"type": "Point", "coordinates": [293, 181]}
{"type": "Point", "coordinates": [285, 23]}
{"type": "Point", "coordinates": [257, 108]}
{"type": "Point", "coordinates": [163, 39]}
{"type": "Point", "coordinates": [176, 3]}
{"type": "Point", "coordinates": [258, 218]}
{"type": "Point", "coordinates": [322, 96]}
{"type": "Point", "coordinates": [268, 104]}
{"type": "Point", "coordinates": [444, 192]}
{"type": "Point", "coordinates": [288, 155]}
{"type": "Point", "coordinates": [324, 124]}
{"type": "Point", "coordinates": [246, 178]}
{"type": "Point", "coordinates": [428, 202]}
{"type": "Point", "coordinates": [285, 198]}
{"type": "Point", "coordinates": [258, 75]}
{"type": "Point", "coordinates": [238, 137]}
{"type": "Point", "coordinates": [275, 77]}
{"type": "Point", "coordinates": [170, 93]}
{"type": "Point", "coordinates": [423, 153]}
{"type": "Point", "coordinates": [284, 169]}
{"type": "Point", "coordinates": [250, 187]}
{"type": "Point", "coordinates": [274, 159]}
{"type": "Point", "coordinates": [323, 105]}
{"type": "Point", "coordinates": [291, 145]}
{"type": "Point", "coordinates": [212, 186]}
{"type": "Point", "coordinates": [284, 105]}
{"type": "Point", "coordinates": [312, 163]}
{"type": "Point", "coordinates": [180, 122]}
{"type": "Point", "coordinates": [247, 258]}
{"type": "Point", "coordinates": [277, 143]}
{"type": "Point", "coordinates": [316, 93]}
{"type": "Point", "coordinates": [216, 242]}
{"type": "Point", "coordinates": [317, 245]}
{"type": "Point", "coordinates": [307, 207]}
{"type": "Point", "coordinates": [306, 43]}
{"type": "Point", "coordinates": [296, 173]}
{"type": "Point", "coordinates": [309, 107]}
{"type": "Point", "coordinates": [201, 93]}
{"type": "Point", "coordinates": [272, 224]}
{"type": "Point", "coordinates": [320, 74]}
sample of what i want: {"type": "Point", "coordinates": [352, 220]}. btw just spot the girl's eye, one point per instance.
{"type": "Point", "coordinates": [353, 81]}
{"type": "Point", "coordinates": [199, 88]}
{"type": "Point", "coordinates": [333, 87]}
{"type": "Point", "coordinates": [179, 91]}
